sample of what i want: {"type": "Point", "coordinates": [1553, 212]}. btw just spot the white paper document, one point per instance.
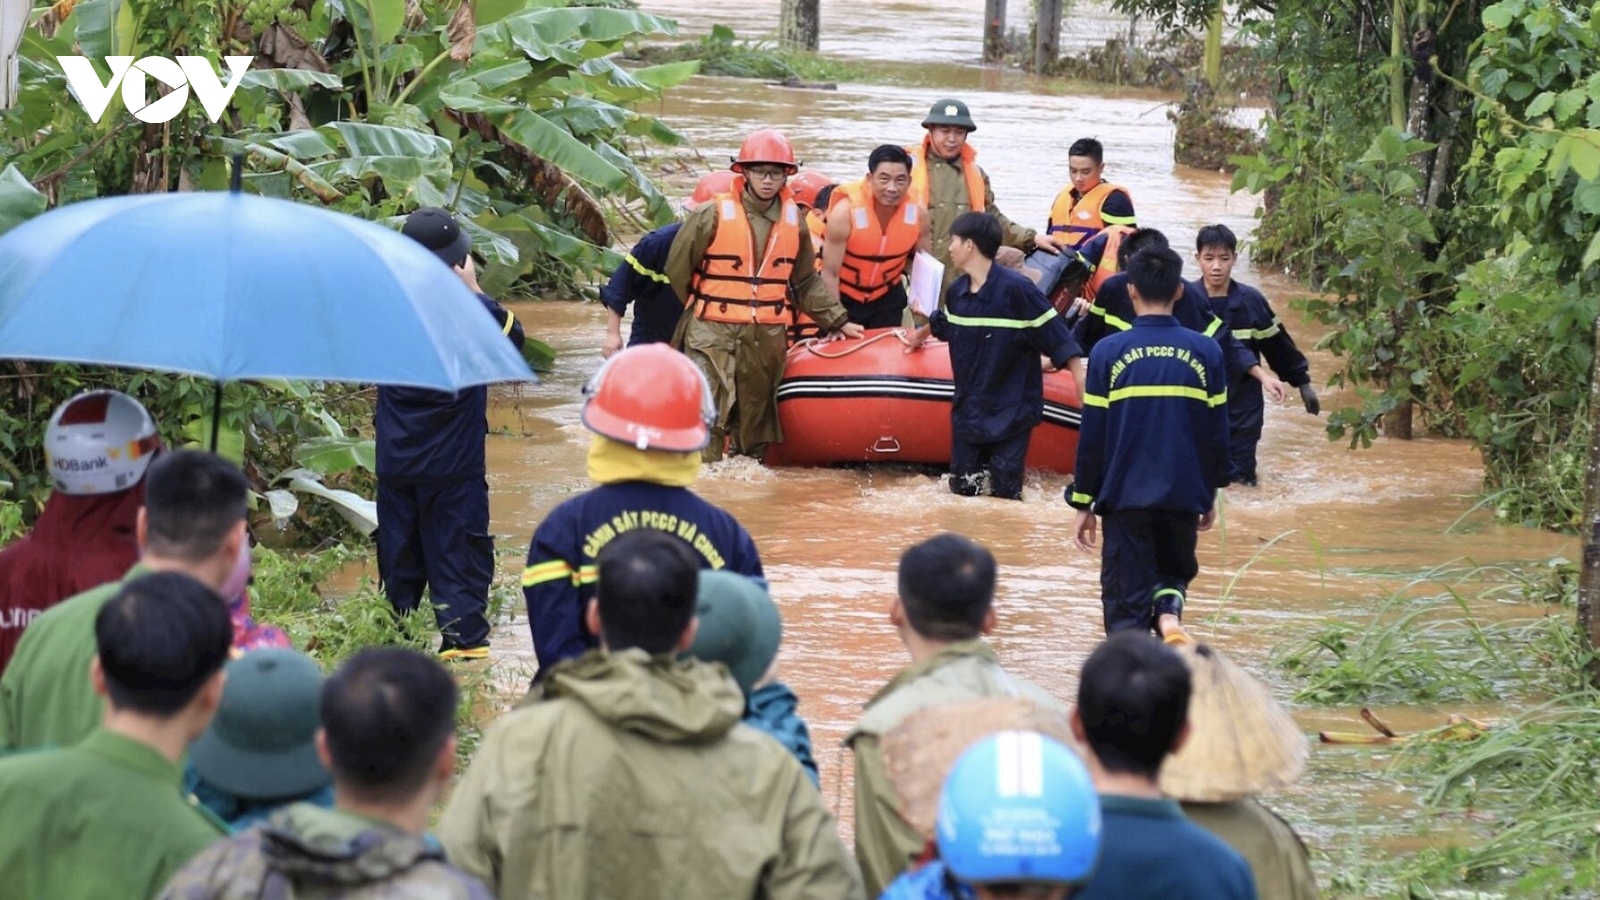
{"type": "Point", "coordinates": [927, 277]}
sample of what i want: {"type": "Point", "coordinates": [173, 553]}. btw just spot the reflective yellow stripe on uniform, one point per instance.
{"type": "Point", "coordinates": [985, 322]}
{"type": "Point", "coordinates": [1165, 591]}
{"type": "Point", "coordinates": [1116, 322]}
{"type": "Point", "coordinates": [1258, 334]}
{"type": "Point", "coordinates": [511, 320]}
{"type": "Point", "coordinates": [550, 570]}
{"type": "Point", "coordinates": [1157, 390]}
{"type": "Point", "coordinates": [1211, 330]}
{"type": "Point", "coordinates": [645, 270]}
{"type": "Point", "coordinates": [1109, 219]}
{"type": "Point", "coordinates": [1084, 499]}
{"type": "Point", "coordinates": [586, 575]}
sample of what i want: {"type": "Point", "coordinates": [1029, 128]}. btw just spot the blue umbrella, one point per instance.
{"type": "Point", "coordinates": [233, 286]}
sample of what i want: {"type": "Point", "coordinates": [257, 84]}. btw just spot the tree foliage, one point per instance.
{"type": "Point", "coordinates": [1460, 250]}
{"type": "Point", "coordinates": [509, 112]}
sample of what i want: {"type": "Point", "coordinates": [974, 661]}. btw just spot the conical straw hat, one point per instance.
{"type": "Point", "coordinates": [1241, 742]}
{"type": "Point", "coordinates": [918, 753]}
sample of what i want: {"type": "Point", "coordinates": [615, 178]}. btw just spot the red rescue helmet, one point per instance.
{"type": "Point", "coordinates": [766, 146]}
{"type": "Point", "coordinates": [807, 185]}
{"type": "Point", "coordinates": [709, 186]}
{"type": "Point", "coordinates": [651, 397]}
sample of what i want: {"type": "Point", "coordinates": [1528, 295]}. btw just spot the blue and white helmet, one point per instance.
{"type": "Point", "coordinates": [1019, 807]}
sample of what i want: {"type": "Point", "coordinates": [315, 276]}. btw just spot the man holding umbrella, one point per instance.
{"type": "Point", "coordinates": [433, 499]}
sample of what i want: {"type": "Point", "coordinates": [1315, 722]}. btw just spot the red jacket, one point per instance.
{"type": "Point", "coordinates": [78, 543]}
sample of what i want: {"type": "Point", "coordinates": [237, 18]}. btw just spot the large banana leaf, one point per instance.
{"type": "Point", "coordinates": [95, 30]}
{"type": "Point", "coordinates": [410, 163]}
{"type": "Point", "coordinates": [584, 116]}
{"type": "Point", "coordinates": [495, 247]}
{"type": "Point", "coordinates": [488, 12]}
{"type": "Point", "coordinates": [18, 200]}
{"type": "Point", "coordinates": [668, 75]}
{"type": "Point", "coordinates": [289, 80]}
{"type": "Point", "coordinates": [571, 35]}
{"type": "Point", "coordinates": [556, 145]}
{"type": "Point", "coordinates": [335, 454]}
{"type": "Point", "coordinates": [361, 513]}
{"type": "Point", "coordinates": [379, 21]}
{"type": "Point", "coordinates": [660, 208]}
{"type": "Point", "coordinates": [491, 73]}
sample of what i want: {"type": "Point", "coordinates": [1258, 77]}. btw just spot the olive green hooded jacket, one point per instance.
{"type": "Point", "coordinates": [886, 844]}
{"type": "Point", "coordinates": [631, 777]}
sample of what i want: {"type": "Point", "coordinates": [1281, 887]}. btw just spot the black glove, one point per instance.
{"type": "Point", "coordinates": [1308, 396]}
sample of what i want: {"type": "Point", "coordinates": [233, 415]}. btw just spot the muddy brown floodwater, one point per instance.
{"type": "Point", "coordinates": [1344, 527]}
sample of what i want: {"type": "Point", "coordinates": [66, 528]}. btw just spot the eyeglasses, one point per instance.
{"type": "Point", "coordinates": [766, 174]}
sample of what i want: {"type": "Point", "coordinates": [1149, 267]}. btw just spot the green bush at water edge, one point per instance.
{"type": "Point", "coordinates": [722, 53]}
{"type": "Point", "coordinates": [1513, 809]}
{"type": "Point", "coordinates": [1461, 258]}
{"type": "Point", "coordinates": [288, 591]}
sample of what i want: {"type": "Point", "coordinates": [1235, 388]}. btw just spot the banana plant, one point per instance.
{"type": "Point", "coordinates": [19, 199]}
{"type": "Point", "coordinates": [507, 111]}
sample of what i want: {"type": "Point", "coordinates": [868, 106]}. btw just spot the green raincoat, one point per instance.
{"type": "Point", "coordinates": [46, 699]}
{"type": "Point", "coordinates": [633, 779]}
{"type": "Point", "coordinates": [886, 844]}
{"type": "Point", "coordinates": [104, 819]}
{"type": "Point", "coordinates": [1276, 856]}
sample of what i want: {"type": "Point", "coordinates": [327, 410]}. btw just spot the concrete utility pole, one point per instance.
{"type": "Point", "coordinates": [800, 24]}
{"type": "Point", "coordinates": [13, 21]}
{"type": "Point", "coordinates": [1047, 45]}
{"type": "Point", "coordinates": [994, 30]}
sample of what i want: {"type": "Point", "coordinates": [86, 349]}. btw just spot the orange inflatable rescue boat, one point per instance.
{"type": "Point", "coordinates": [870, 401]}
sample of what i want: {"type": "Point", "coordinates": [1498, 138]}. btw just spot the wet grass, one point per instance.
{"type": "Point", "coordinates": [1509, 813]}
{"type": "Point", "coordinates": [288, 592]}
{"type": "Point", "coordinates": [723, 53]}
{"type": "Point", "coordinates": [1425, 646]}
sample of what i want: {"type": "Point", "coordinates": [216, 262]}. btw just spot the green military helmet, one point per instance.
{"type": "Point", "coordinates": [262, 743]}
{"type": "Point", "coordinates": [949, 112]}
{"type": "Point", "coordinates": [739, 626]}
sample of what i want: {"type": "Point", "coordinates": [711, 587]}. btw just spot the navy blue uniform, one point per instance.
{"type": "Point", "coordinates": [1112, 312]}
{"type": "Point", "coordinates": [561, 573]}
{"type": "Point", "coordinates": [1093, 250]}
{"type": "Point", "coordinates": [639, 280]}
{"type": "Point", "coordinates": [1150, 851]}
{"type": "Point", "coordinates": [996, 337]}
{"type": "Point", "coordinates": [1152, 452]}
{"type": "Point", "coordinates": [433, 500]}
{"type": "Point", "coordinates": [1256, 326]}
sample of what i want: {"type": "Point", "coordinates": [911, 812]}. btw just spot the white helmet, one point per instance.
{"type": "Point", "coordinates": [99, 442]}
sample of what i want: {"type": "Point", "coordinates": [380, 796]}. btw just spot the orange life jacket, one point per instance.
{"type": "Point", "coordinates": [1107, 266]}
{"type": "Point", "coordinates": [919, 192]}
{"type": "Point", "coordinates": [877, 252]}
{"type": "Point", "coordinates": [729, 284]}
{"type": "Point", "coordinates": [1074, 222]}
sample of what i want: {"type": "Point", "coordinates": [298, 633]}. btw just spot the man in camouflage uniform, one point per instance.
{"type": "Point", "coordinates": [946, 179]}
{"type": "Point", "coordinates": [743, 265]}
{"type": "Point", "coordinates": [388, 736]}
